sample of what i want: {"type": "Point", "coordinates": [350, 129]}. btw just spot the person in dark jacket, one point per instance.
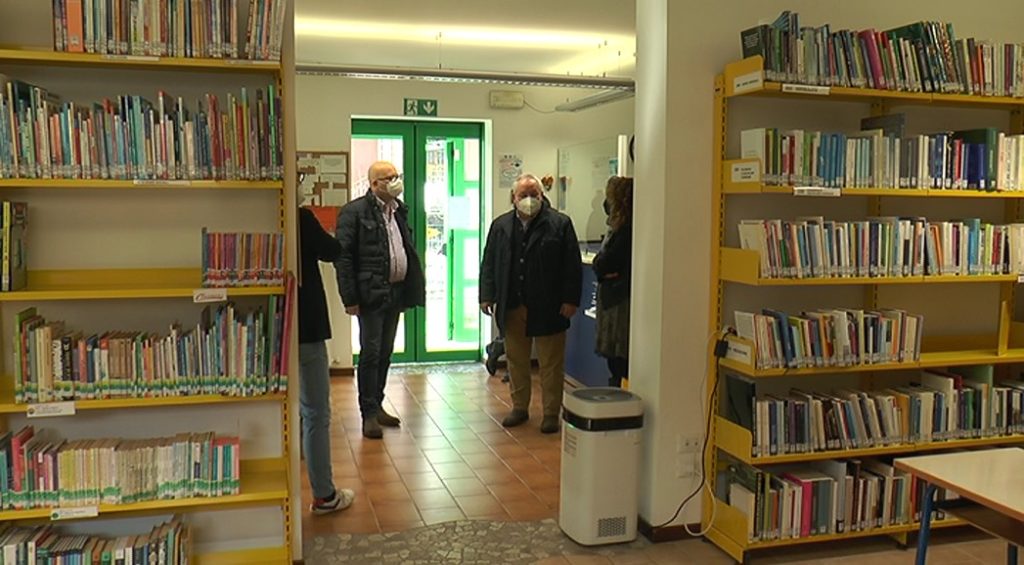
{"type": "Point", "coordinates": [379, 276]}
{"type": "Point", "coordinates": [612, 265]}
{"type": "Point", "coordinates": [530, 281]}
{"type": "Point", "coordinates": [314, 370]}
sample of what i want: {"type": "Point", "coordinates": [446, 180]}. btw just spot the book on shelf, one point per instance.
{"type": "Point", "coordinates": [839, 337]}
{"type": "Point", "coordinates": [229, 351]}
{"type": "Point", "coordinates": [169, 543]}
{"type": "Point", "coordinates": [884, 246]}
{"type": "Point", "coordinates": [133, 138]}
{"type": "Point", "coordinates": [923, 56]}
{"type": "Point", "coordinates": [13, 257]}
{"type": "Point", "coordinates": [242, 259]}
{"type": "Point", "coordinates": [41, 470]}
{"type": "Point", "coordinates": [175, 28]}
{"type": "Point", "coordinates": [976, 159]}
{"type": "Point", "coordinates": [933, 406]}
{"type": "Point", "coordinates": [822, 497]}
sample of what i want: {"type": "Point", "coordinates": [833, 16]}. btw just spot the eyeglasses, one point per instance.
{"type": "Point", "coordinates": [391, 178]}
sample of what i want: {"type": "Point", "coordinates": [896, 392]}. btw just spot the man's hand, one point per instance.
{"type": "Point", "coordinates": [568, 310]}
{"type": "Point", "coordinates": [487, 308]}
{"type": "Point", "coordinates": [352, 310]}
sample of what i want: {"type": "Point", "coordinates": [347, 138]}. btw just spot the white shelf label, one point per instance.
{"type": "Point", "coordinates": [817, 191]}
{"type": "Point", "coordinates": [51, 409]}
{"type": "Point", "coordinates": [158, 182]}
{"type": "Point", "coordinates": [740, 352]}
{"type": "Point", "coordinates": [749, 171]}
{"type": "Point", "coordinates": [1020, 278]}
{"type": "Point", "coordinates": [748, 82]}
{"type": "Point", "coordinates": [203, 295]}
{"type": "Point", "coordinates": [130, 57]}
{"type": "Point", "coordinates": [74, 513]}
{"type": "Point", "coordinates": [807, 89]}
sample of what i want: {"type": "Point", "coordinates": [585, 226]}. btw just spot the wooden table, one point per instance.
{"type": "Point", "coordinates": [990, 483]}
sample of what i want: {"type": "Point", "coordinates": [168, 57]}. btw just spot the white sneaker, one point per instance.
{"type": "Point", "coordinates": [341, 500]}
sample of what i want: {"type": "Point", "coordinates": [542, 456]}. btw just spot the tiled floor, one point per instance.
{"type": "Point", "coordinates": [450, 460]}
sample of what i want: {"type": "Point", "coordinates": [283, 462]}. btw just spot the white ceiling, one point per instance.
{"type": "Point", "coordinates": [578, 37]}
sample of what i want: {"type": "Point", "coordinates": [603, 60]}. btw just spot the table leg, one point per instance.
{"type": "Point", "coordinates": [1011, 554]}
{"type": "Point", "coordinates": [926, 524]}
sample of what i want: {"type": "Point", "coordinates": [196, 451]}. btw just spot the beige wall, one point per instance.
{"type": "Point", "coordinates": [326, 106]}
{"type": "Point", "coordinates": [681, 47]}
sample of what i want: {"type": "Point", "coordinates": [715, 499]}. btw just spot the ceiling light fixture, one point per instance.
{"type": "Point", "coordinates": [594, 100]}
{"type": "Point", "coordinates": [468, 77]}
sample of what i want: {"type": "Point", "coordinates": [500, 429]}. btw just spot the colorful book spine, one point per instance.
{"type": "Point", "coordinates": [242, 259]}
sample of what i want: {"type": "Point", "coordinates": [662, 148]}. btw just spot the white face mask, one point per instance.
{"type": "Point", "coordinates": [528, 206]}
{"type": "Point", "coordinates": [395, 188]}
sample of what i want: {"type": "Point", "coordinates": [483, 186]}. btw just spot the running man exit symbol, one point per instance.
{"type": "Point", "coordinates": [420, 107]}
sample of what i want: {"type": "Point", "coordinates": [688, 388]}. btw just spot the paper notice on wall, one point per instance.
{"type": "Point", "coordinates": [510, 166]}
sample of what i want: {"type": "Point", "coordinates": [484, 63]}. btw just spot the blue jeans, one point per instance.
{"type": "Point", "coordinates": [315, 407]}
{"type": "Point", "coordinates": [377, 331]}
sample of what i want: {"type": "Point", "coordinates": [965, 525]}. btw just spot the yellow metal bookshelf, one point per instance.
{"type": "Point", "coordinates": [731, 267]}
{"type": "Point", "coordinates": [264, 482]}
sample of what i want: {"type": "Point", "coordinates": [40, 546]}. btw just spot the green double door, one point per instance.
{"type": "Point", "coordinates": [442, 167]}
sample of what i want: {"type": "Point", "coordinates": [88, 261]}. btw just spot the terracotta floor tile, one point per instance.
{"type": "Point", "coordinates": [466, 487]}
{"type": "Point", "coordinates": [479, 505]}
{"type": "Point", "coordinates": [398, 450]}
{"type": "Point", "coordinates": [342, 523]}
{"type": "Point", "coordinates": [442, 456]}
{"type": "Point", "coordinates": [548, 495]}
{"type": "Point", "coordinates": [416, 464]}
{"type": "Point", "coordinates": [440, 515]}
{"type": "Point", "coordinates": [457, 470]}
{"type": "Point", "coordinates": [470, 447]}
{"type": "Point", "coordinates": [458, 433]}
{"type": "Point", "coordinates": [433, 499]}
{"type": "Point", "coordinates": [396, 512]}
{"type": "Point", "coordinates": [496, 438]}
{"type": "Point", "coordinates": [373, 460]}
{"type": "Point", "coordinates": [540, 479]}
{"type": "Point", "coordinates": [527, 509]}
{"type": "Point", "coordinates": [497, 476]}
{"type": "Point", "coordinates": [525, 464]}
{"type": "Point", "coordinates": [401, 526]}
{"type": "Point", "coordinates": [422, 481]}
{"type": "Point", "coordinates": [379, 475]}
{"type": "Point", "coordinates": [510, 451]}
{"type": "Point", "coordinates": [387, 492]}
{"type": "Point", "coordinates": [513, 492]}
{"type": "Point", "coordinates": [484, 461]}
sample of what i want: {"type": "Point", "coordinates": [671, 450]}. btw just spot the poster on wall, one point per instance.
{"type": "Point", "coordinates": [510, 166]}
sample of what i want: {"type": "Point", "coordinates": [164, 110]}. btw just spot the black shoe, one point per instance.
{"type": "Point", "coordinates": [504, 378]}
{"type": "Point", "coordinates": [491, 364]}
{"type": "Point", "coordinates": [387, 420]}
{"type": "Point", "coordinates": [515, 418]}
{"type": "Point", "coordinates": [549, 425]}
{"type": "Point", "coordinates": [371, 428]}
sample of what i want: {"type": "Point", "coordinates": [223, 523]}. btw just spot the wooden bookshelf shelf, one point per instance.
{"type": "Point", "coordinates": [746, 78]}
{"type": "Point", "coordinates": [259, 556]}
{"type": "Point", "coordinates": [7, 405]}
{"type": "Point", "coordinates": [744, 266]}
{"type": "Point", "coordinates": [79, 184]}
{"type": "Point", "coordinates": [928, 360]}
{"type": "Point", "coordinates": [264, 483]}
{"type": "Point", "coordinates": [106, 284]}
{"type": "Point", "coordinates": [735, 184]}
{"type": "Point", "coordinates": [45, 57]}
{"type": "Point", "coordinates": [737, 441]}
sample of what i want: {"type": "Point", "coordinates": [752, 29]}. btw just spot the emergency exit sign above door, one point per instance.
{"type": "Point", "coordinates": [420, 107]}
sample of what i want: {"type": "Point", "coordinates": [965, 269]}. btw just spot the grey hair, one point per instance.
{"type": "Point", "coordinates": [529, 176]}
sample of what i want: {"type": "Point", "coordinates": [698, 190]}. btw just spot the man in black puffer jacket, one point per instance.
{"type": "Point", "coordinates": [379, 276]}
{"type": "Point", "coordinates": [530, 281]}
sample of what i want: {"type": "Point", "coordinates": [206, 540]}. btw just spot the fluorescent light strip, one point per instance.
{"type": "Point", "coordinates": [465, 77]}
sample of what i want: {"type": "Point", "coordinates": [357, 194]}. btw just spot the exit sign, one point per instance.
{"type": "Point", "coordinates": [420, 107]}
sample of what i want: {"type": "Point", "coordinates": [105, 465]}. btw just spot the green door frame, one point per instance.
{"type": "Point", "coordinates": [414, 135]}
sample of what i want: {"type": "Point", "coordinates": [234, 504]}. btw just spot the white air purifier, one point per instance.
{"type": "Point", "coordinates": [600, 465]}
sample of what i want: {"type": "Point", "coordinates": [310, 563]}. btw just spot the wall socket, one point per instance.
{"type": "Point", "coordinates": [688, 444]}
{"type": "Point", "coordinates": [685, 467]}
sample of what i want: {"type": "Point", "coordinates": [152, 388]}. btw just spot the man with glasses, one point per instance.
{"type": "Point", "coordinates": [379, 276]}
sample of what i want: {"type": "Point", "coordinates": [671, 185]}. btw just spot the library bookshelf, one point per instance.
{"type": "Point", "coordinates": [738, 270]}
{"type": "Point", "coordinates": [266, 474]}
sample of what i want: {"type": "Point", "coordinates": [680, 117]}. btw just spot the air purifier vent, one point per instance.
{"type": "Point", "coordinates": [611, 527]}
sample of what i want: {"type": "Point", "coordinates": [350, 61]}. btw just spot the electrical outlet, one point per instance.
{"type": "Point", "coordinates": [685, 468]}
{"type": "Point", "coordinates": [688, 444]}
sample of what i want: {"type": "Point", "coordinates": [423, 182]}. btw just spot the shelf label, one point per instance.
{"type": "Point", "coordinates": [817, 191]}
{"type": "Point", "coordinates": [1020, 278]}
{"type": "Point", "coordinates": [740, 352]}
{"type": "Point", "coordinates": [51, 409]}
{"type": "Point", "coordinates": [749, 171]}
{"type": "Point", "coordinates": [203, 295]}
{"type": "Point", "coordinates": [114, 57]}
{"type": "Point", "coordinates": [807, 89]}
{"type": "Point", "coordinates": [74, 513]}
{"type": "Point", "coordinates": [748, 82]}
{"type": "Point", "coordinates": [250, 62]}
{"type": "Point", "coordinates": [158, 182]}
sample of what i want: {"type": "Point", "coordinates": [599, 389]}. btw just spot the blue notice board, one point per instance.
{"type": "Point", "coordinates": [581, 362]}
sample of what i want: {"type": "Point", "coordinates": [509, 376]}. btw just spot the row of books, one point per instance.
{"type": "Point", "coordinates": [831, 338]}
{"type": "Point", "coordinates": [13, 245]}
{"type": "Point", "coordinates": [169, 543]}
{"type": "Point", "coordinates": [977, 159]}
{"type": "Point", "coordinates": [823, 497]}
{"type": "Point", "coordinates": [228, 352]}
{"type": "Point", "coordinates": [40, 470]}
{"type": "Point", "coordinates": [177, 28]}
{"type": "Point", "coordinates": [936, 405]}
{"type": "Point", "coordinates": [923, 56]}
{"type": "Point", "coordinates": [131, 137]}
{"type": "Point", "coordinates": [887, 246]}
{"type": "Point", "coordinates": [242, 259]}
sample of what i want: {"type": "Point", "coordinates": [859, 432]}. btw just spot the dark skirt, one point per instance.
{"type": "Point", "coordinates": [613, 329]}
